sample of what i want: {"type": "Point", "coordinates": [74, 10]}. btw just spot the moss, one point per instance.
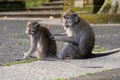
{"type": "Point", "coordinates": [89, 73]}
{"type": "Point", "coordinates": [60, 79]}
{"type": "Point", "coordinates": [81, 75]}
{"type": "Point", "coordinates": [98, 48]}
{"type": "Point", "coordinates": [101, 18]}
{"type": "Point", "coordinates": [21, 43]}
{"type": "Point", "coordinates": [87, 8]}
{"type": "Point", "coordinates": [107, 8]}
{"type": "Point", "coordinates": [20, 62]}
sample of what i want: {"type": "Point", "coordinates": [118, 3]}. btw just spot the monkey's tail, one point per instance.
{"type": "Point", "coordinates": [109, 52]}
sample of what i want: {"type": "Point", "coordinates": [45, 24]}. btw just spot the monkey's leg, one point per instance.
{"type": "Point", "coordinates": [32, 48]}
{"type": "Point", "coordinates": [75, 53]}
{"type": "Point", "coordinates": [38, 54]}
{"type": "Point", "coordinates": [69, 50]}
{"type": "Point", "coordinates": [86, 47]}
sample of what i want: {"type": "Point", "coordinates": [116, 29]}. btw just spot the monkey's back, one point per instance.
{"type": "Point", "coordinates": [49, 43]}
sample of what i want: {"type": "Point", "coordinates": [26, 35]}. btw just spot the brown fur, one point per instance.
{"type": "Point", "coordinates": [45, 47]}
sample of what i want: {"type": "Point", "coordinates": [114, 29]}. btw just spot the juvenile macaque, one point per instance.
{"type": "Point", "coordinates": [41, 46]}
{"type": "Point", "coordinates": [80, 38]}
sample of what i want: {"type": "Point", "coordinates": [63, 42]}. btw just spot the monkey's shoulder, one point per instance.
{"type": "Point", "coordinates": [45, 31]}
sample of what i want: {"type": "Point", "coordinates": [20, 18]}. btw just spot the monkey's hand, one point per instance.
{"type": "Point", "coordinates": [25, 56]}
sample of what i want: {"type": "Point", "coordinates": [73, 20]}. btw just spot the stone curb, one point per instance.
{"type": "Point", "coordinates": [113, 74]}
{"type": "Point", "coordinates": [55, 21]}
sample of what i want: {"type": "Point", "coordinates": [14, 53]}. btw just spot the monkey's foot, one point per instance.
{"type": "Point", "coordinates": [25, 55]}
{"type": "Point", "coordinates": [19, 59]}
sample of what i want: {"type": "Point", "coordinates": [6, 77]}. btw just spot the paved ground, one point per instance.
{"type": "Point", "coordinates": [14, 42]}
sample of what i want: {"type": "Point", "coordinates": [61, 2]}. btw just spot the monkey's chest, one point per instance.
{"type": "Point", "coordinates": [70, 33]}
{"type": "Point", "coordinates": [42, 43]}
{"type": "Point", "coordinates": [39, 46]}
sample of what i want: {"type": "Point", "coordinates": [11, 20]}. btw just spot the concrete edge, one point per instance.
{"type": "Point", "coordinates": [54, 19]}
{"type": "Point", "coordinates": [113, 74]}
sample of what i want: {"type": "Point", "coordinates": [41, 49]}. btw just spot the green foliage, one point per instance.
{"type": "Point", "coordinates": [20, 62]}
{"type": "Point", "coordinates": [34, 3]}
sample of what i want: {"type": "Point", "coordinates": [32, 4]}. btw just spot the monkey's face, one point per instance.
{"type": "Point", "coordinates": [70, 20]}
{"type": "Point", "coordinates": [32, 28]}
{"type": "Point", "coordinates": [67, 21]}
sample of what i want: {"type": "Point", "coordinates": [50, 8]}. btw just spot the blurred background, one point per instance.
{"type": "Point", "coordinates": [94, 11]}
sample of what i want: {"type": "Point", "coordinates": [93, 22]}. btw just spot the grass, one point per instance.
{"type": "Point", "coordinates": [21, 62]}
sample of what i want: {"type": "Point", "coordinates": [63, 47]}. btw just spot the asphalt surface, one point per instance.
{"type": "Point", "coordinates": [14, 42]}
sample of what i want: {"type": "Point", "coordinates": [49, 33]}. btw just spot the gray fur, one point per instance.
{"type": "Point", "coordinates": [80, 38]}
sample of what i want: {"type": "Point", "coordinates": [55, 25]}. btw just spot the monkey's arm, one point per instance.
{"type": "Point", "coordinates": [60, 34]}
{"type": "Point", "coordinates": [57, 35]}
{"type": "Point", "coordinates": [32, 48]}
{"type": "Point", "coordinates": [67, 39]}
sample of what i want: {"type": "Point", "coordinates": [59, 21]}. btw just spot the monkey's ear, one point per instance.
{"type": "Point", "coordinates": [37, 25]}
{"type": "Point", "coordinates": [76, 18]}
{"type": "Point", "coordinates": [69, 12]}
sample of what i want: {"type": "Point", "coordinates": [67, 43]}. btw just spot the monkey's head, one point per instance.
{"type": "Point", "coordinates": [32, 27]}
{"type": "Point", "coordinates": [70, 18]}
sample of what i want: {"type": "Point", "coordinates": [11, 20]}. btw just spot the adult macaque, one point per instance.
{"type": "Point", "coordinates": [41, 45]}
{"type": "Point", "coordinates": [80, 38]}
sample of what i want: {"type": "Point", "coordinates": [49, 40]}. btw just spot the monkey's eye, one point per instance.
{"type": "Point", "coordinates": [66, 17]}
{"type": "Point", "coordinates": [32, 29]}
